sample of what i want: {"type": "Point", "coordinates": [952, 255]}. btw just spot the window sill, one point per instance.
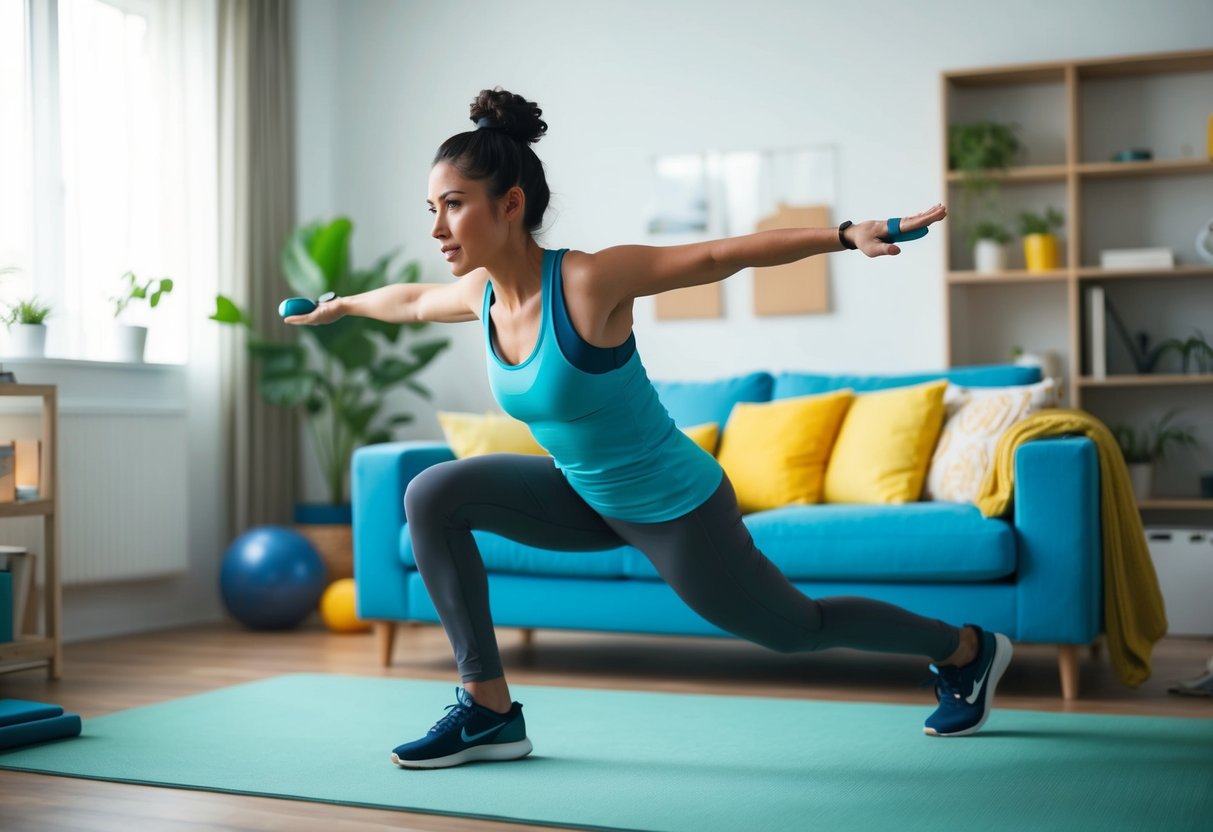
{"type": "Point", "coordinates": [38, 364]}
{"type": "Point", "coordinates": [106, 386]}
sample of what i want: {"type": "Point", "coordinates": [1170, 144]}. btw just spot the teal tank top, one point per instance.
{"type": "Point", "coordinates": [607, 431]}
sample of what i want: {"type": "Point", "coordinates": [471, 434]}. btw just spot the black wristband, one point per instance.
{"type": "Point", "coordinates": [842, 237]}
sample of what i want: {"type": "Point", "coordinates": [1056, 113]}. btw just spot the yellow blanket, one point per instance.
{"type": "Point", "coordinates": [1134, 616]}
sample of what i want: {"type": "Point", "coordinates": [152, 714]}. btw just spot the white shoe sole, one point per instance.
{"type": "Point", "coordinates": [1002, 657]}
{"type": "Point", "coordinates": [494, 752]}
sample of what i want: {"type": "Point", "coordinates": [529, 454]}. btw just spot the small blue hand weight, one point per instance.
{"type": "Point", "coordinates": [295, 306]}
{"type": "Point", "coordinates": [896, 235]}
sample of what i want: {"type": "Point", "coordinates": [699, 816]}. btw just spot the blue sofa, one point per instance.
{"type": "Point", "coordinates": [1035, 575]}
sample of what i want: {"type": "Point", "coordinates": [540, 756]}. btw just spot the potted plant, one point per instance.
{"type": "Point", "coordinates": [981, 148]}
{"type": "Point", "coordinates": [989, 239]}
{"type": "Point", "coordinates": [1039, 241]}
{"type": "Point", "coordinates": [1196, 347]}
{"type": "Point", "coordinates": [340, 374]}
{"type": "Point", "coordinates": [25, 320]}
{"type": "Point", "coordinates": [130, 340]}
{"type": "Point", "coordinates": [1143, 448]}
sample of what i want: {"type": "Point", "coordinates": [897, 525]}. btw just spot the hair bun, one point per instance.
{"type": "Point", "coordinates": [510, 113]}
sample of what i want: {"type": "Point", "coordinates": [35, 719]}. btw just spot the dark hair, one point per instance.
{"type": "Point", "coordinates": [500, 153]}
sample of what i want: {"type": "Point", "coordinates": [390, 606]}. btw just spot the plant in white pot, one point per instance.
{"type": "Point", "coordinates": [129, 340]}
{"type": "Point", "coordinates": [26, 322]}
{"type": "Point", "coordinates": [989, 239]}
{"type": "Point", "coordinates": [1144, 447]}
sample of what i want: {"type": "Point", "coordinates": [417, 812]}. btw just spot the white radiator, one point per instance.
{"type": "Point", "coordinates": [122, 491]}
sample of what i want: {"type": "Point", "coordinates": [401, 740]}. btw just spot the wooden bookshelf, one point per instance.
{"type": "Point", "coordinates": [1072, 118]}
{"type": "Point", "coordinates": [1153, 380]}
{"type": "Point", "coordinates": [31, 649]}
{"type": "Point", "coordinates": [1176, 504]}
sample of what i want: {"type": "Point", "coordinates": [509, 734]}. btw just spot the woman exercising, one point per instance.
{"type": "Point", "coordinates": [562, 358]}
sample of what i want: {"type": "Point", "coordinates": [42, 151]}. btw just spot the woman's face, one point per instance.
{"type": "Point", "coordinates": [467, 223]}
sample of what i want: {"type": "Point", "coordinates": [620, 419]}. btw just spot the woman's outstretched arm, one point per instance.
{"type": "Point", "coordinates": [406, 303]}
{"type": "Point", "coordinates": [635, 271]}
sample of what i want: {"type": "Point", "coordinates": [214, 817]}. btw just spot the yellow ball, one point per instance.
{"type": "Point", "coordinates": [338, 609]}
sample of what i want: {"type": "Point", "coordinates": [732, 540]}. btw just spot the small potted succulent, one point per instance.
{"type": "Point", "coordinates": [25, 320]}
{"type": "Point", "coordinates": [989, 239]}
{"type": "Point", "coordinates": [129, 340]}
{"type": "Point", "coordinates": [1039, 240]}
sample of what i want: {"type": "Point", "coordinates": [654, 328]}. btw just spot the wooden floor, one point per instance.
{"type": "Point", "coordinates": [105, 676]}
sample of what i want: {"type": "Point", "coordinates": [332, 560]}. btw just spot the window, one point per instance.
{"type": "Point", "coordinates": [105, 130]}
{"type": "Point", "coordinates": [16, 244]}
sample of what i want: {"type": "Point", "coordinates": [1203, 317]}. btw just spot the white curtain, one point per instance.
{"type": "Point", "coordinates": [256, 213]}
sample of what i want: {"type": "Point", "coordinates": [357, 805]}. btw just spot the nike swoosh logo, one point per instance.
{"type": "Point", "coordinates": [972, 697]}
{"type": "Point", "coordinates": [463, 733]}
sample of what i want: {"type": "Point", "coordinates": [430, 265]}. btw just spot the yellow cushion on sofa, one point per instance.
{"type": "Point", "coordinates": [885, 444]}
{"type": "Point", "coordinates": [705, 436]}
{"type": "Point", "coordinates": [473, 434]}
{"type": "Point", "coordinates": [775, 453]}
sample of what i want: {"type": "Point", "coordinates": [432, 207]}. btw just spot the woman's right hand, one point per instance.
{"type": "Point", "coordinates": [324, 313]}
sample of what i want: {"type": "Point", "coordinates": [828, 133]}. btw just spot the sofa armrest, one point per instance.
{"type": "Point", "coordinates": [379, 474]}
{"type": "Point", "coordinates": [1057, 527]}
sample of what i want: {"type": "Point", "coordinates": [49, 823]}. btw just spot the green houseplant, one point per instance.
{"type": "Point", "coordinates": [1195, 347]}
{"type": "Point", "coordinates": [340, 374]}
{"type": "Point", "coordinates": [130, 340]}
{"type": "Point", "coordinates": [1143, 447]}
{"type": "Point", "coordinates": [26, 322]}
{"type": "Point", "coordinates": [981, 148]}
{"type": "Point", "coordinates": [980, 151]}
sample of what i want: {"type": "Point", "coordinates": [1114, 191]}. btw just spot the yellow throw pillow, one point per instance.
{"type": "Point", "coordinates": [705, 436]}
{"type": "Point", "coordinates": [885, 444]}
{"type": "Point", "coordinates": [473, 434]}
{"type": "Point", "coordinates": [775, 453]}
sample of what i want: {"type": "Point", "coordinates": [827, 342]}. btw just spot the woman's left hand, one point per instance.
{"type": "Point", "coordinates": [867, 235]}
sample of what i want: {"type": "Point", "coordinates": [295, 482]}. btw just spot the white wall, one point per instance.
{"type": "Point", "coordinates": [382, 84]}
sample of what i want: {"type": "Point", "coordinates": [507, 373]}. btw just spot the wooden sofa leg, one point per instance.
{"type": "Point", "coordinates": [528, 636]}
{"type": "Point", "coordinates": [385, 639]}
{"type": "Point", "coordinates": [1067, 663]}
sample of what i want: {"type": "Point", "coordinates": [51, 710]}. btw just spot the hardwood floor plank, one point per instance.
{"type": "Point", "coordinates": [111, 675]}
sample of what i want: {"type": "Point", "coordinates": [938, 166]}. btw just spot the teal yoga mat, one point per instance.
{"type": "Point", "coordinates": [656, 761]}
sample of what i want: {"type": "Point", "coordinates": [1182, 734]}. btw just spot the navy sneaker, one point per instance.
{"type": "Point", "coordinates": [468, 732]}
{"type": "Point", "coordinates": [966, 693]}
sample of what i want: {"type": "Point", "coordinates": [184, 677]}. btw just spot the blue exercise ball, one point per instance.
{"type": "Point", "coordinates": [271, 578]}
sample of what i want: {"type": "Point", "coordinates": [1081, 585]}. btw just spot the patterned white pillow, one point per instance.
{"type": "Point", "coordinates": [974, 420]}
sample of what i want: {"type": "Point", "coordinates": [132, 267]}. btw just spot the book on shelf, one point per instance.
{"type": "Point", "coordinates": [17, 564]}
{"type": "Point", "coordinates": [8, 471]}
{"type": "Point", "coordinates": [1137, 258]}
{"type": "Point", "coordinates": [1097, 332]}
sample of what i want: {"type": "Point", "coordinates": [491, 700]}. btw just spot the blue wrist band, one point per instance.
{"type": "Point", "coordinates": [896, 235]}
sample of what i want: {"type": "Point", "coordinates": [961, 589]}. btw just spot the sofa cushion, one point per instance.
{"type": "Point", "coordinates": [775, 453]}
{"type": "Point", "coordinates": [698, 402]}
{"type": "Point", "coordinates": [705, 436]}
{"type": "Point", "coordinates": [989, 375]}
{"type": "Point", "coordinates": [473, 434]}
{"type": "Point", "coordinates": [949, 542]}
{"type": "Point", "coordinates": [976, 419]}
{"type": "Point", "coordinates": [500, 554]}
{"type": "Point", "coordinates": [884, 445]}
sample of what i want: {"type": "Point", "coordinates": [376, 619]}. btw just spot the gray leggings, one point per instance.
{"type": "Point", "coordinates": [707, 556]}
